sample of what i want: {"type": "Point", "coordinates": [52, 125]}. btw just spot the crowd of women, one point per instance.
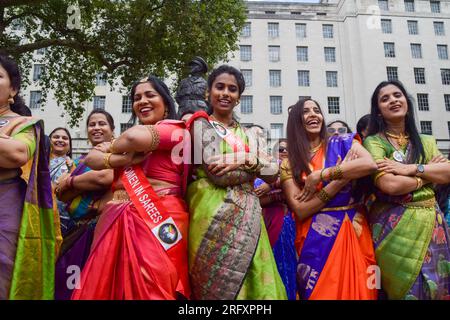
{"type": "Point", "coordinates": [198, 208]}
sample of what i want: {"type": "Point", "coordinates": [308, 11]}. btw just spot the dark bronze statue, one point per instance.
{"type": "Point", "coordinates": [191, 90]}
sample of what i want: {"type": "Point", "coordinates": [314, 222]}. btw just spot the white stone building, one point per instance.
{"type": "Point", "coordinates": [335, 51]}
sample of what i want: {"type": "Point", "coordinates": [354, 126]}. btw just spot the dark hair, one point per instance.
{"type": "Point", "coordinates": [162, 89]}
{"type": "Point", "coordinates": [108, 116]}
{"type": "Point", "coordinates": [297, 139]}
{"type": "Point", "coordinates": [362, 124]}
{"type": "Point", "coordinates": [341, 122]}
{"type": "Point", "coordinates": [69, 153]}
{"type": "Point", "coordinates": [377, 124]}
{"type": "Point", "coordinates": [225, 69]}
{"type": "Point", "coordinates": [12, 69]}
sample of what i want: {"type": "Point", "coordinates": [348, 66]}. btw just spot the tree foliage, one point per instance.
{"type": "Point", "coordinates": [125, 39]}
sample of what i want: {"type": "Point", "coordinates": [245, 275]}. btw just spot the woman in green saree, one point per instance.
{"type": "Point", "coordinates": [230, 256]}
{"type": "Point", "coordinates": [408, 229]}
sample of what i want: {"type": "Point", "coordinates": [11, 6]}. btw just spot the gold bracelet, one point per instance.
{"type": "Point", "coordinates": [419, 183]}
{"type": "Point", "coordinates": [106, 160]}
{"type": "Point", "coordinates": [378, 176]}
{"type": "Point", "coordinates": [111, 146]}
{"type": "Point", "coordinates": [339, 173]}
{"type": "Point", "coordinates": [155, 137]}
{"type": "Point", "coordinates": [323, 196]}
{"type": "Point", "coordinates": [321, 175]}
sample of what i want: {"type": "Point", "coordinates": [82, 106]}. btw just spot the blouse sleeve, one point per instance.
{"type": "Point", "coordinates": [285, 171]}
{"type": "Point", "coordinates": [430, 146]}
{"type": "Point", "coordinates": [28, 137]}
{"type": "Point", "coordinates": [375, 148]}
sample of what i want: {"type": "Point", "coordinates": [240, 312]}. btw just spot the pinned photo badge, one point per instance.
{"type": "Point", "coordinates": [220, 129]}
{"type": "Point", "coordinates": [167, 233]}
{"type": "Point", "coordinates": [3, 123]}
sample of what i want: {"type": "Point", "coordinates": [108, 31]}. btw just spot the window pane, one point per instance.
{"type": "Point", "coordinates": [35, 99]}
{"type": "Point", "coordinates": [383, 4]}
{"type": "Point", "coordinates": [246, 30]}
{"type": "Point", "coordinates": [246, 104]}
{"type": "Point", "coordinates": [273, 29]}
{"type": "Point", "coordinates": [248, 77]}
{"type": "Point", "coordinates": [333, 105]}
{"type": "Point", "coordinates": [275, 78]}
{"type": "Point", "coordinates": [439, 28]}
{"type": "Point", "coordinates": [276, 105]}
{"type": "Point", "coordinates": [442, 51]}
{"type": "Point", "coordinates": [422, 102]}
{"type": "Point", "coordinates": [126, 104]}
{"type": "Point", "coordinates": [100, 79]}
{"type": "Point", "coordinates": [331, 78]}
{"type": "Point", "coordinates": [419, 75]}
{"type": "Point", "coordinates": [125, 126]}
{"type": "Point", "coordinates": [246, 53]}
{"type": "Point", "coordinates": [99, 102]}
{"type": "Point", "coordinates": [330, 54]}
{"type": "Point", "coordinates": [413, 27]}
{"type": "Point", "coordinates": [445, 75]}
{"type": "Point", "coordinates": [392, 73]}
{"type": "Point", "coordinates": [327, 30]}
{"type": "Point", "coordinates": [416, 50]}
{"type": "Point", "coordinates": [386, 25]}
{"type": "Point", "coordinates": [409, 5]}
{"type": "Point", "coordinates": [276, 131]}
{"type": "Point", "coordinates": [274, 53]}
{"type": "Point", "coordinates": [302, 54]}
{"type": "Point", "coordinates": [389, 49]}
{"type": "Point", "coordinates": [37, 71]}
{"type": "Point", "coordinates": [447, 101]}
{"type": "Point", "coordinates": [425, 127]}
{"type": "Point", "coordinates": [435, 6]}
{"type": "Point", "coordinates": [300, 30]}
{"type": "Point", "coordinates": [303, 78]}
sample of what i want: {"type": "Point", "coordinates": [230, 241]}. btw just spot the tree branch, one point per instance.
{"type": "Point", "coordinates": [10, 3]}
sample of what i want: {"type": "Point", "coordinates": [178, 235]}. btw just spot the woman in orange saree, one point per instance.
{"type": "Point", "coordinates": [139, 249]}
{"type": "Point", "coordinates": [333, 239]}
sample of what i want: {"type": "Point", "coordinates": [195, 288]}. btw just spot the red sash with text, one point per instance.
{"type": "Point", "coordinates": [154, 214]}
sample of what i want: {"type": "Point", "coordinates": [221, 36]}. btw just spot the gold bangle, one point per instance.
{"type": "Point", "coordinates": [106, 160]}
{"type": "Point", "coordinates": [321, 175]}
{"type": "Point", "coordinates": [155, 137]}
{"type": "Point", "coordinates": [339, 173]}
{"type": "Point", "coordinates": [111, 146]}
{"type": "Point", "coordinates": [378, 176]}
{"type": "Point", "coordinates": [323, 196]}
{"type": "Point", "coordinates": [419, 183]}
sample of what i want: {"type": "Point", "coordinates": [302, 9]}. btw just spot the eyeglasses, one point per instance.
{"type": "Point", "coordinates": [341, 130]}
{"type": "Point", "coordinates": [282, 149]}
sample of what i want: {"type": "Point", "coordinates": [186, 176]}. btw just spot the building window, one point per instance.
{"type": "Point", "coordinates": [246, 53]}
{"type": "Point", "coordinates": [37, 71]}
{"type": "Point", "coordinates": [35, 99]}
{"type": "Point", "coordinates": [274, 53]}
{"type": "Point", "coordinates": [445, 76]}
{"type": "Point", "coordinates": [246, 104]}
{"type": "Point", "coordinates": [416, 50]}
{"type": "Point", "coordinates": [275, 78]}
{"type": "Point", "coordinates": [100, 79]}
{"type": "Point", "coordinates": [276, 105]}
{"type": "Point", "coordinates": [448, 125]}
{"type": "Point", "coordinates": [302, 54]}
{"type": "Point", "coordinates": [383, 5]}
{"type": "Point", "coordinates": [248, 77]}
{"type": "Point", "coordinates": [124, 127]}
{"type": "Point", "coordinates": [246, 30]}
{"type": "Point", "coordinates": [426, 127]}
{"type": "Point", "coordinates": [409, 5]}
{"type": "Point", "coordinates": [439, 28]}
{"type": "Point", "coordinates": [273, 28]}
{"type": "Point", "coordinates": [422, 102]}
{"type": "Point", "coordinates": [300, 30]}
{"type": "Point", "coordinates": [419, 75]}
{"type": "Point", "coordinates": [41, 51]}
{"type": "Point", "coordinates": [327, 30]}
{"type": "Point", "coordinates": [127, 105]}
{"type": "Point", "coordinates": [435, 6]}
{"type": "Point", "coordinates": [447, 101]}
{"type": "Point", "coordinates": [276, 131]}
{"type": "Point", "coordinates": [303, 78]}
{"type": "Point", "coordinates": [304, 97]}
{"type": "Point", "coordinates": [392, 73]}
{"type": "Point", "coordinates": [99, 102]}
{"type": "Point", "coordinates": [331, 78]}
{"type": "Point", "coordinates": [333, 105]}
{"type": "Point", "coordinates": [386, 25]}
{"type": "Point", "coordinates": [269, 12]}
{"type": "Point", "coordinates": [330, 54]}
{"type": "Point", "coordinates": [389, 49]}
{"type": "Point", "coordinates": [442, 51]}
{"type": "Point", "coordinates": [413, 27]}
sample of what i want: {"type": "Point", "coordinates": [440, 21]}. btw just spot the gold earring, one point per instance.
{"type": "Point", "coordinates": [238, 102]}
{"type": "Point", "coordinates": [11, 100]}
{"type": "Point", "coordinates": [166, 113]}
{"type": "Point", "coordinates": [206, 96]}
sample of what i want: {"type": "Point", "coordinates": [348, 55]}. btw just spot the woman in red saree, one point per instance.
{"type": "Point", "coordinates": [333, 239]}
{"type": "Point", "coordinates": [135, 255]}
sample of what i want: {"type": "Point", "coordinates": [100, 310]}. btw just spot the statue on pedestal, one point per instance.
{"type": "Point", "coordinates": [191, 91]}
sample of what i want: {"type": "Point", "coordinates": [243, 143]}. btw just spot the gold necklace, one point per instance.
{"type": "Point", "coordinates": [402, 139]}
{"type": "Point", "coordinates": [232, 124]}
{"type": "Point", "coordinates": [315, 149]}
